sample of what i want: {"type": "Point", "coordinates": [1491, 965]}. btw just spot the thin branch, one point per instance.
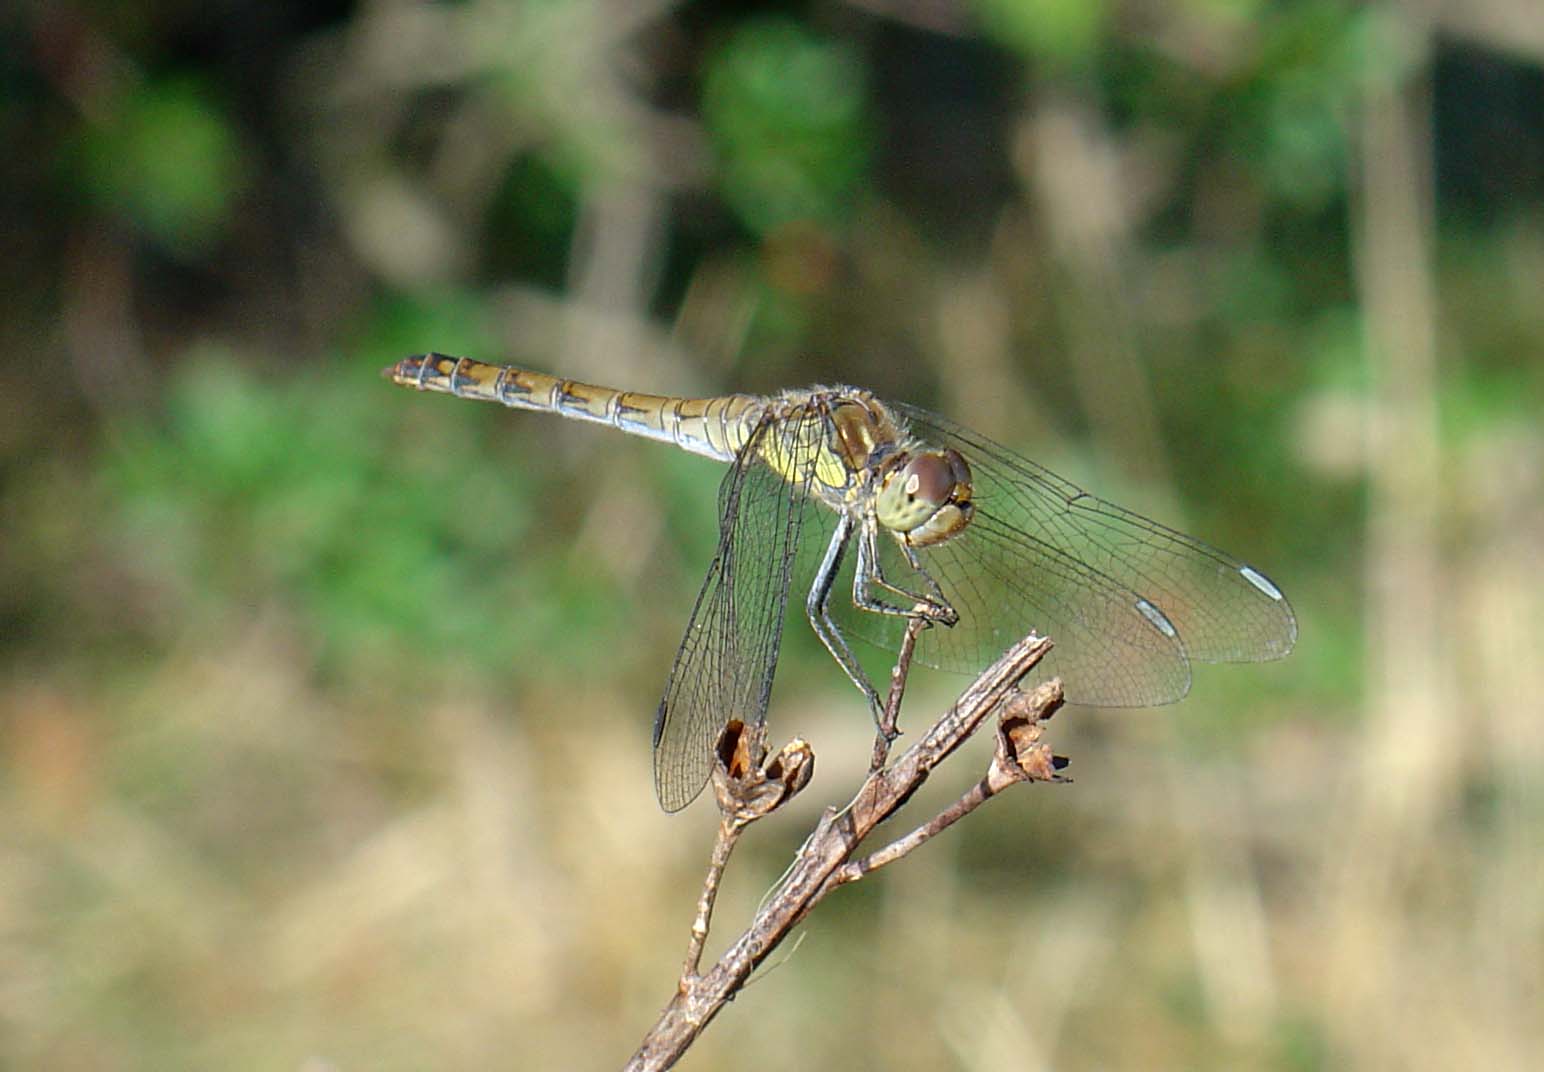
{"type": "Point", "coordinates": [728, 834]}
{"type": "Point", "coordinates": [753, 790]}
{"type": "Point", "coordinates": [890, 718]}
{"type": "Point", "coordinates": [1020, 757]}
{"type": "Point", "coordinates": [973, 798]}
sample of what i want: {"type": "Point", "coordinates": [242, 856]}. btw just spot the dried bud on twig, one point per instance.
{"type": "Point", "coordinates": [1020, 756]}
{"type": "Point", "coordinates": [747, 783]}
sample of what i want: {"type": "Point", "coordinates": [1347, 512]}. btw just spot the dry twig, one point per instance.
{"type": "Point", "coordinates": [748, 786]}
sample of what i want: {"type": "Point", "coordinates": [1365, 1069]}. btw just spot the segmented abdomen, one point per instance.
{"type": "Point", "coordinates": [715, 427]}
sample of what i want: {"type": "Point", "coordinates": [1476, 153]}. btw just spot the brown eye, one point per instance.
{"type": "Point", "coordinates": [929, 478]}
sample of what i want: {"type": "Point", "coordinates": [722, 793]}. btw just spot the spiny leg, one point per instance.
{"type": "Point", "coordinates": [817, 607]}
{"type": "Point", "coordinates": [932, 607]}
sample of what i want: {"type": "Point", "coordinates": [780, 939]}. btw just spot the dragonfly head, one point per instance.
{"type": "Point", "coordinates": [924, 496]}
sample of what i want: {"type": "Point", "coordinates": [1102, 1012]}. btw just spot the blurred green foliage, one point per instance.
{"type": "Point", "coordinates": [786, 112]}
{"type": "Point", "coordinates": [245, 488]}
{"type": "Point", "coordinates": [1068, 31]}
{"type": "Point", "coordinates": [169, 159]}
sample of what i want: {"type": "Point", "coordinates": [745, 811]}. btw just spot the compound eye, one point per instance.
{"type": "Point", "coordinates": [928, 477]}
{"type": "Point", "coordinates": [926, 499]}
{"type": "Point", "coordinates": [940, 506]}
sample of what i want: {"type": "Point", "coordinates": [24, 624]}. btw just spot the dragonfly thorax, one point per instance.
{"type": "Point", "coordinates": [924, 496]}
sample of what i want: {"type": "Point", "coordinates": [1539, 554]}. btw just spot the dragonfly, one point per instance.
{"type": "Point", "coordinates": [894, 513]}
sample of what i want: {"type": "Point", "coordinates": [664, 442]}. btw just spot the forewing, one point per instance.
{"type": "Point", "coordinates": [1112, 649]}
{"type": "Point", "coordinates": [725, 665]}
{"type": "Point", "coordinates": [1106, 584]}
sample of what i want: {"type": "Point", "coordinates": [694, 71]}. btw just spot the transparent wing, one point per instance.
{"type": "Point", "coordinates": [726, 661]}
{"type": "Point", "coordinates": [1113, 649]}
{"type": "Point", "coordinates": [1129, 602]}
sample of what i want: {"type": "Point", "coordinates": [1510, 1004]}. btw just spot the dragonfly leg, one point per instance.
{"type": "Point", "coordinates": [817, 607]}
{"type": "Point", "coordinates": [933, 607]}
